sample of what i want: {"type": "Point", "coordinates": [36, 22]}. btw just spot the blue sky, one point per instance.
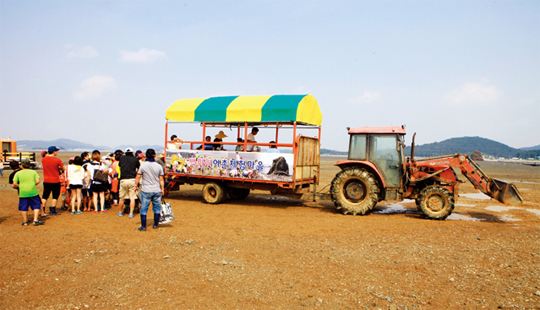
{"type": "Point", "coordinates": [104, 72]}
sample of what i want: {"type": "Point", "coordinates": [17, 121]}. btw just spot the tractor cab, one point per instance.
{"type": "Point", "coordinates": [383, 148]}
{"type": "Point", "coordinates": [380, 152]}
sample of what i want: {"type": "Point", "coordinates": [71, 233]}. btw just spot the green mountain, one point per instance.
{"type": "Point", "coordinates": [464, 145]}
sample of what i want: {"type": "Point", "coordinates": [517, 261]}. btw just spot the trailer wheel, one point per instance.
{"type": "Point", "coordinates": [237, 193]}
{"type": "Point", "coordinates": [213, 193]}
{"type": "Point", "coordinates": [436, 202]}
{"type": "Point", "coordinates": [355, 191]}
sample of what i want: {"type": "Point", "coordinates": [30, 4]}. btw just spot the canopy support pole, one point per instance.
{"type": "Point", "coordinates": [204, 137]}
{"type": "Point", "coordinates": [166, 135]}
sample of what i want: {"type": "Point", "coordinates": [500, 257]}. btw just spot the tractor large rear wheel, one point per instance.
{"type": "Point", "coordinates": [213, 193]}
{"type": "Point", "coordinates": [436, 202]}
{"type": "Point", "coordinates": [354, 191]}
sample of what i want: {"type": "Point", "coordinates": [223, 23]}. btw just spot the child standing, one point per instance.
{"type": "Point", "coordinates": [26, 180]}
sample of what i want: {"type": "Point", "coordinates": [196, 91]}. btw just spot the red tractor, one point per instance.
{"type": "Point", "coordinates": [376, 170]}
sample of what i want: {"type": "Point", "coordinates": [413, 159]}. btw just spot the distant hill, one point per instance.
{"type": "Point", "coordinates": [72, 145]}
{"type": "Point", "coordinates": [62, 144]}
{"type": "Point", "coordinates": [464, 145]}
{"type": "Point", "coordinates": [531, 148]}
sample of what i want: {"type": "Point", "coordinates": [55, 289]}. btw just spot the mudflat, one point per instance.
{"type": "Point", "coordinates": [269, 252]}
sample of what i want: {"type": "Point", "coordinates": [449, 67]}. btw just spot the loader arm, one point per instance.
{"type": "Point", "coordinates": [506, 193]}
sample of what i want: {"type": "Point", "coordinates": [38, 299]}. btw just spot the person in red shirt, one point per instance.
{"type": "Point", "coordinates": [52, 168]}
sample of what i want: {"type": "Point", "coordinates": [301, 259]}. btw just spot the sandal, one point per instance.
{"type": "Point", "coordinates": [79, 212]}
{"type": "Point", "coordinates": [37, 223]}
{"type": "Point", "coordinates": [24, 224]}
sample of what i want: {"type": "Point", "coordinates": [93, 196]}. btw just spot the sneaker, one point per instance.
{"type": "Point", "coordinates": [120, 214]}
{"type": "Point", "coordinates": [63, 208]}
{"type": "Point", "coordinates": [55, 213]}
{"type": "Point", "coordinates": [37, 223]}
{"type": "Point", "coordinates": [142, 228]}
{"type": "Point", "coordinates": [131, 216]}
{"type": "Point", "coordinates": [79, 212]}
{"type": "Point", "coordinates": [72, 212]}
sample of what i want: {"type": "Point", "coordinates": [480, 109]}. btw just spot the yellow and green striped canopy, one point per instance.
{"type": "Point", "coordinates": [229, 109]}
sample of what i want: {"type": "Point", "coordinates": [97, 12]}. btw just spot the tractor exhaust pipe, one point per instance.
{"type": "Point", "coordinates": [412, 147]}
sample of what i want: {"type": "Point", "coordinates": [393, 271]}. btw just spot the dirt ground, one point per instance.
{"type": "Point", "coordinates": [268, 252]}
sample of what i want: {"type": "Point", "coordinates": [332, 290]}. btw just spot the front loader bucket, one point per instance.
{"type": "Point", "coordinates": [506, 193]}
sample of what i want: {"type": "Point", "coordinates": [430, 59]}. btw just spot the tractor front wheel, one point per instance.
{"type": "Point", "coordinates": [436, 202]}
{"type": "Point", "coordinates": [354, 191]}
{"type": "Point", "coordinates": [213, 193]}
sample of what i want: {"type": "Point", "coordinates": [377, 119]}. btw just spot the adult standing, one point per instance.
{"type": "Point", "coordinates": [152, 187]}
{"type": "Point", "coordinates": [128, 165]}
{"type": "Point", "coordinates": [15, 167]}
{"type": "Point", "coordinates": [52, 168]}
{"type": "Point", "coordinates": [2, 166]}
{"type": "Point", "coordinates": [98, 188]}
{"type": "Point", "coordinates": [75, 175]}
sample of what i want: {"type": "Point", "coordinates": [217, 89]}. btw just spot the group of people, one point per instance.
{"type": "Point", "coordinates": [90, 180]}
{"type": "Point", "coordinates": [209, 145]}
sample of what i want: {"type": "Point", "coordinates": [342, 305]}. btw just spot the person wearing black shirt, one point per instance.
{"type": "Point", "coordinates": [128, 165]}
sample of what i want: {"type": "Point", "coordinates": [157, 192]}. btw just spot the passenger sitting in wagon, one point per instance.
{"type": "Point", "coordinates": [176, 143]}
{"type": "Point", "coordinates": [251, 138]}
{"type": "Point", "coordinates": [219, 138]}
{"type": "Point", "coordinates": [207, 144]}
{"type": "Point", "coordinates": [239, 148]}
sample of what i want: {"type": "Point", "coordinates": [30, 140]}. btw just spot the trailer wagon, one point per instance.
{"type": "Point", "coordinates": [230, 169]}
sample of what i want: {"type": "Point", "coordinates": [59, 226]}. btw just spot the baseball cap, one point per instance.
{"type": "Point", "coordinates": [129, 150]}
{"type": "Point", "coordinates": [53, 149]}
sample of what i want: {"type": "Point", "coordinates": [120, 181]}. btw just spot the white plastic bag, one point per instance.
{"type": "Point", "coordinates": [166, 213]}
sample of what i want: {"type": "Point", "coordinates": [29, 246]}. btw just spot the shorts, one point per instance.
{"type": "Point", "coordinates": [86, 192]}
{"type": "Point", "coordinates": [75, 186]}
{"type": "Point", "coordinates": [99, 187]}
{"type": "Point", "coordinates": [127, 189]}
{"type": "Point", "coordinates": [49, 188]}
{"type": "Point", "coordinates": [29, 202]}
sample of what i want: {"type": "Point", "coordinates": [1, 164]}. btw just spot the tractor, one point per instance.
{"type": "Point", "coordinates": [376, 169]}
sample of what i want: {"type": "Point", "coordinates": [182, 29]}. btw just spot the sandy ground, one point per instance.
{"type": "Point", "coordinates": [268, 252]}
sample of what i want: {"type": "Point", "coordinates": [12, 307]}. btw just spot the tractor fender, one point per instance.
{"type": "Point", "coordinates": [343, 164]}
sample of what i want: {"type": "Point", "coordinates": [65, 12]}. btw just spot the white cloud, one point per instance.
{"type": "Point", "coordinates": [143, 56]}
{"type": "Point", "coordinates": [94, 87]}
{"type": "Point", "coordinates": [474, 93]}
{"type": "Point", "coordinates": [80, 51]}
{"type": "Point", "coordinates": [368, 97]}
